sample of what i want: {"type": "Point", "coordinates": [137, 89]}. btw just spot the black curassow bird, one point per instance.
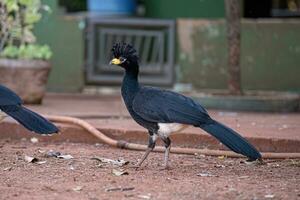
{"type": "Point", "coordinates": [11, 104]}
{"type": "Point", "coordinates": [164, 112]}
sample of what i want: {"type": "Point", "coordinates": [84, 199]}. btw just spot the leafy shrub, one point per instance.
{"type": "Point", "coordinates": [29, 51]}
{"type": "Point", "coordinates": [17, 20]}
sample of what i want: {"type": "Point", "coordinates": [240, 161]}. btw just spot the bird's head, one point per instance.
{"type": "Point", "coordinates": [124, 55]}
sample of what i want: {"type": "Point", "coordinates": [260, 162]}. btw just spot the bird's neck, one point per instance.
{"type": "Point", "coordinates": [130, 86]}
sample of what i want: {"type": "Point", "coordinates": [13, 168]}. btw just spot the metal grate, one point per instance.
{"type": "Point", "coordinates": [153, 39]}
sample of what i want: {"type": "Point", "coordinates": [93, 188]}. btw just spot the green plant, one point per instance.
{"type": "Point", "coordinates": [17, 19]}
{"type": "Point", "coordinates": [27, 52]}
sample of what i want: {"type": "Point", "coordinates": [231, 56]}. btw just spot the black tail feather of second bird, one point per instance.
{"type": "Point", "coordinates": [232, 140]}
{"type": "Point", "coordinates": [31, 120]}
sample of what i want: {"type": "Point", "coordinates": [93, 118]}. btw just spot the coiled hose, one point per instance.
{"type": "Point", "coordinates": [132, 146]}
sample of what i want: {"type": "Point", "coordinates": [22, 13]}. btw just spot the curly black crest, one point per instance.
{"type": "Point", "coordinates": [124, 50]}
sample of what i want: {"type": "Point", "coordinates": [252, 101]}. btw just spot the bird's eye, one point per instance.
{"type": "Point", "coordinates": [122, 59]}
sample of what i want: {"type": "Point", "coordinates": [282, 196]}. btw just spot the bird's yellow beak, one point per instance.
{"type": "Point", "coordinates": [115, 61]}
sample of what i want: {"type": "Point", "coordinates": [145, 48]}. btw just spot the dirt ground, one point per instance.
{"type": "Point", "coordinates": [190, 177]}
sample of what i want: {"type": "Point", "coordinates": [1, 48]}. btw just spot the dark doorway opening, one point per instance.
{"type": "Point", "coordinates": [271, 8]}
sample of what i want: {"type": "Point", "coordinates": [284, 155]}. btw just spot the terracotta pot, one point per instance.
{"type": "Point", "coordinates": [28, 78]}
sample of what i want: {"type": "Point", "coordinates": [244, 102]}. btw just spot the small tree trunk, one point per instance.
{"type": "Point", "coordinates": [233, 37]}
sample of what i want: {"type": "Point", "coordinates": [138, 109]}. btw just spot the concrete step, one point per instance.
{"type": "Point", "coordinates": [126, 130]}
{"type": "Point", "coordinates": [269, 132]}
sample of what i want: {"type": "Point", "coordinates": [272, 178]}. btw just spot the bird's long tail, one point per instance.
{"type": "Point", "coordinates": [232, 140]}
{"type": "Point", "coordinates": [30, 120]}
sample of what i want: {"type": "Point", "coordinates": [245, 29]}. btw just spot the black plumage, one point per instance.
{"type": "Point", "coordinates": [11, 104]}
{"type": "Point", "coordinates": [157, 110]}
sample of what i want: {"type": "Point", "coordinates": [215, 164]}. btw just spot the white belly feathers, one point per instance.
{"type": "Point", "coordinates": [165, 129]}
{"type": "Point", "coordinates": [2, 115]}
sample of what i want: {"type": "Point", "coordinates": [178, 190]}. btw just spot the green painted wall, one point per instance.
{"type": "Point", "coordinates": [270, 57]}
{"type": "Point", "coordinates": [66, 41]}
{"type": "Point", "coordinates": [184, 9]}
{"type": "Point", "coordinates": [270, 48]}
{"type": "Point", "coordinates": [202, 53]}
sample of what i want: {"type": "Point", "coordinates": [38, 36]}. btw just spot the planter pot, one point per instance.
{"type": "Point", "coordinates": [28, 78]}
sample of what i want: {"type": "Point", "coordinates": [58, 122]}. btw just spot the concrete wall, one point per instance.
{"type": "Point", "coordinates": [270, 54]}
{"type": "Point", "coordinates": [65, 38]}
{"type": "Point", "coordinates": [173, 9]}
{"type": "Point", "coordinates": [270, 48]}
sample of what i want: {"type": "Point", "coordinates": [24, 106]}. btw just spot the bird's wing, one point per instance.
{"type": "Point", "coordinates": [163, 106]}
{"type": "Point", "coordinates": [166, 107]}
{"type": "Point", "coordinates": [8, 97]}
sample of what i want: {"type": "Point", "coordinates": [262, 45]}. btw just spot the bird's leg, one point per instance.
{"type": "Point", "coordinates": [151, 145]}
{"type": "Point", "coordinates": [167, 142]}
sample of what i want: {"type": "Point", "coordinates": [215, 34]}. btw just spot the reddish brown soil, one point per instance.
{"type": "Point", "coordinates": [82, 178]}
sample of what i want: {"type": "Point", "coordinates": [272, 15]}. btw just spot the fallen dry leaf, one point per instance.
{"type": "Point", "coordinates": [77, 188]}
{"type": "Point", "coordinates": [58, 154]}
{"type": "Point", "coordinates": [269, 196]}
{"type": "Point", "coordinates": [144, 196]}
{"type": "Point", "coordinates": [119, 189]}
{"type": "Point", "coordinates": [41, 151]}
{"type": "Point", "coordinates": [52, 153]}
{"type": "Point", "coordinates": [206, 174]}
{"type": "Point", "coordinates": [221, 157]}
{"type": "Point", "coordinates": [255, 162]}
{"type": "Point", "coordinates": [244, 177]}
{"type": "Point", "coordinates": [219, 166]}
{"type": "Point", "coordinates": [30, 159]}
{"type": "Point", "coordinates": [66, 157]}
{"type": "Point", "coordinates": [41, 162]}
{"type": "Point", "coordinates": [117, 172]}
{"type": "Point", "coordinates": [113, 189]}
{"type": "Point", "coordinates": [118, 162]}
{"type": "Point", "coordinates": [199, 156]}
{"type": "Point", "coordinates": [7, 169]}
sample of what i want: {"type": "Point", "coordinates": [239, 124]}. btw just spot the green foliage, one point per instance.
{"type": "Point", "coordinates": [29, 51]}
{"type": "Point", "coordinates": [18, 18]}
